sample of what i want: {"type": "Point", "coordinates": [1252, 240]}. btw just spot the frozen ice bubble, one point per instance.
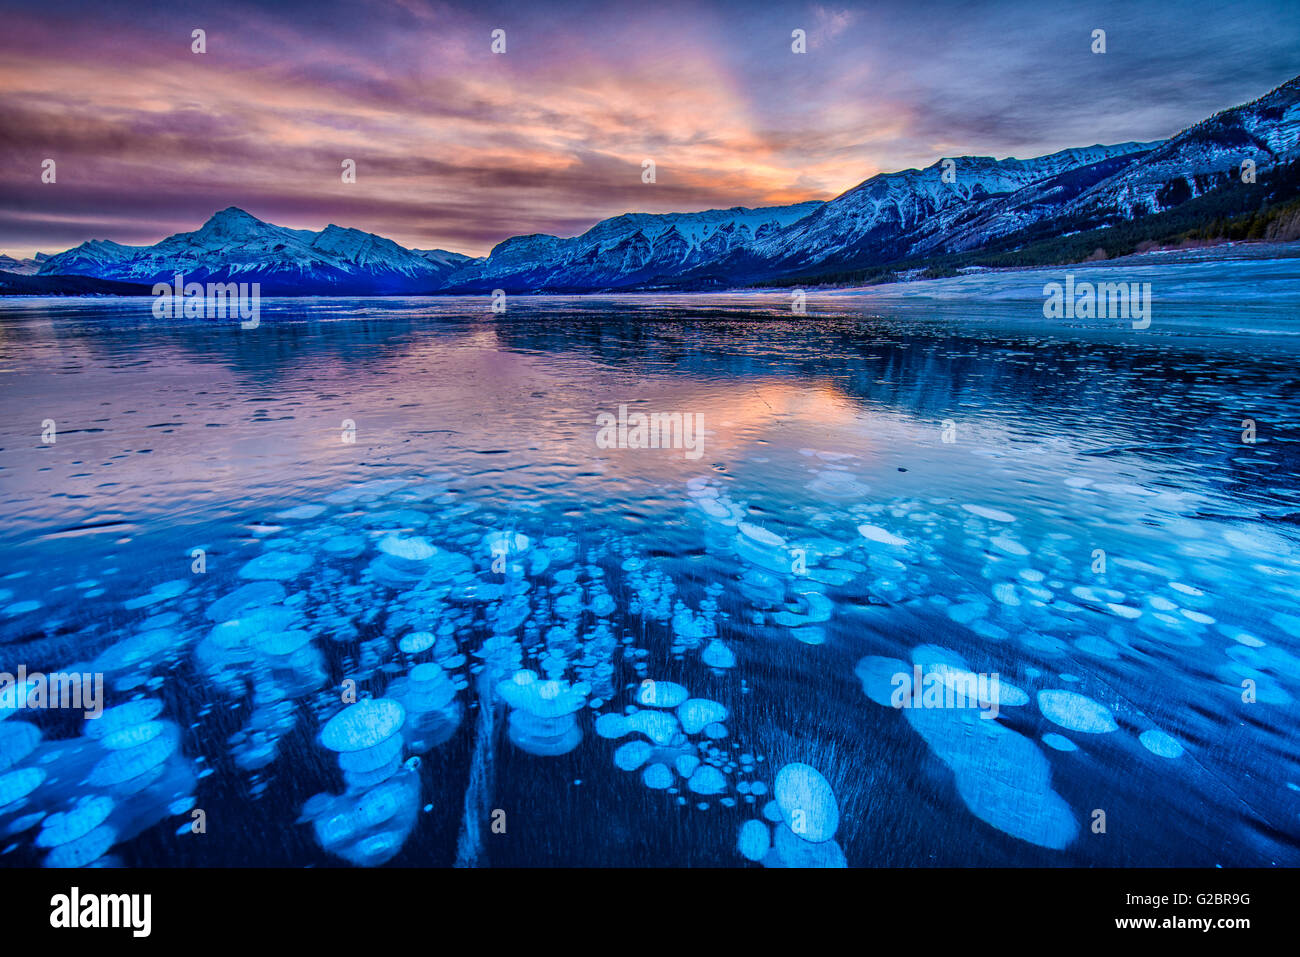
{"type": "Point", "coordinates": [372, 759]}
{"type": "Point", "coordinates": [417, 642]}
{"type": "Point", "coordinates": [707, 780]}
{"type": "Point", "coordinates": [658, 726]}
{"type": "Point", "coordinates": [686, 764]}
{"type": "Point", "coordinates": [65, 826]}
{"type": "Point", "coordinates": [300, 513]}
{"type": "Point", "coordinates": [657, 776]}
{"type": "Point", "coordinates": [363, 725]}
{"type": "Point", "coordinates": [1076, 712]}
{"type": "Point", "coordinates": [123, 716]}
{"type": "Point", "coordinates": [632, 755]}
{"type": "Point", "coordinates": [1009, 546]}
{"type": "Point", "coordinates": [795, 852]}
{"type": "Point", "coordinates": [874, 533]}
{"type": "Point", "coordinates": [807, 803]}
{"type": "Point", "coordinates": [661, 694]}
{"type": "Point", "coordinates": [1161, 744]}
{"type": "Point", "coordinates": [544, 698]}
{"type": "Point", "coordinates": [279, 565]}
{"type": "Point", "coordinates": [281, 644]}
{"type": "Point", "coordinates": [133, 735]}
{"type": "Point", "coordinates": [695, 713]}
{"type": "Point", "coordinates": [18, 784]}
{"type": "Point", "coordinates": [17, 740]}
{"type": "Point", "coordinates": [612, 726]}
{"type": "Point", "coordinates": [143, 761]}
{"type": "Point", "coordinates": [413, 549]}
{"type": "Point", "coordinates": [754, 842]}
{"type": "Point", "coordinates": [507, 543]}
{"type": "Point", "coordinates": [877, 676]}
{"type": "Point", "coordinates": [718, 655]}
{"type": "Point", "coordinates": [141, 649]}
{"type": "Point", "coordinates": [84, 850]}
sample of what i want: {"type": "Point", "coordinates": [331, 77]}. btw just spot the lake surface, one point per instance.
{"type": "Point", "coordinates": [566, 653]}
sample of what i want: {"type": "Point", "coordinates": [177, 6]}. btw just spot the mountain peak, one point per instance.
{"type": "Point", "coordinates": [232, 221]}
{"type": "Point", "coordinates": [233, 212]}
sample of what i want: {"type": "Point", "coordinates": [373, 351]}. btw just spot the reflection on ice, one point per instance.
{"type": "Point", "coordinates": [623, 643]}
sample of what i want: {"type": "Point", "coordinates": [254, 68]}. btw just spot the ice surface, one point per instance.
{"type": "Point", "coordinates": [17, 740]}
{"type": "Point", "coordinates": [835, 532]}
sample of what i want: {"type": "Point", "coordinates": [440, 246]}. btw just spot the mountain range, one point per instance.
{"type": "Point", "coordinates": [957, 205]}
{"type": "Point", "coordinates": [22, 267]}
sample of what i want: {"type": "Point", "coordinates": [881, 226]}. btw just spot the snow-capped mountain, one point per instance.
{"type": "Point", "coordinates": [450, 260]}
{"type": "Point", "coordinates": [1164, 175]}
{"type": "Point", "coordinates": [21, 267]}
{"type": "Point", "coordinates": [915, 213]}
{"type": "Point", "coordinates": [889, 218]}
{"type": "Point", "coordinates": [234, 245]}
{"type": "Point", "coordinates": [1036, 203]}
{"type": "Point", "coordinates": [893, 215]}
{"type": "Point", "coordinates": [625, 250]}
{"type": "Point", "coordinates": [93, 258]}
{"type": "Point", "coordinates": [1199, 159]}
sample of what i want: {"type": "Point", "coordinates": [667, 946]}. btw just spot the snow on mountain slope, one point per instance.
{"type": "Point", "coordinates": [891, 213]}
{"type": "Point", "coordinates": [1200, 158]}
{"type": "Point", "coordinates": [626, 249]}
{"type": "Point", "coordinates": [21, 267]}
{"type": "Point", "coordinates": [235, 245]}
{"type": "Point", "coordinates": [445, 258]}
{"type": "Point", "coordinates": [92, 258]}
{"type": "Point", "coordinates": [367, 250]}
{"type": "Point", "coordinates": [1038, 202]}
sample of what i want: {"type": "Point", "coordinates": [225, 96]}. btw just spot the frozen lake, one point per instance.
{"type": "Point", "coordinates": [565, 653]}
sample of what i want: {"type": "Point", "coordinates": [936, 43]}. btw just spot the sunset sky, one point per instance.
{"type": "Point", "coordinates": [459, 148]}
